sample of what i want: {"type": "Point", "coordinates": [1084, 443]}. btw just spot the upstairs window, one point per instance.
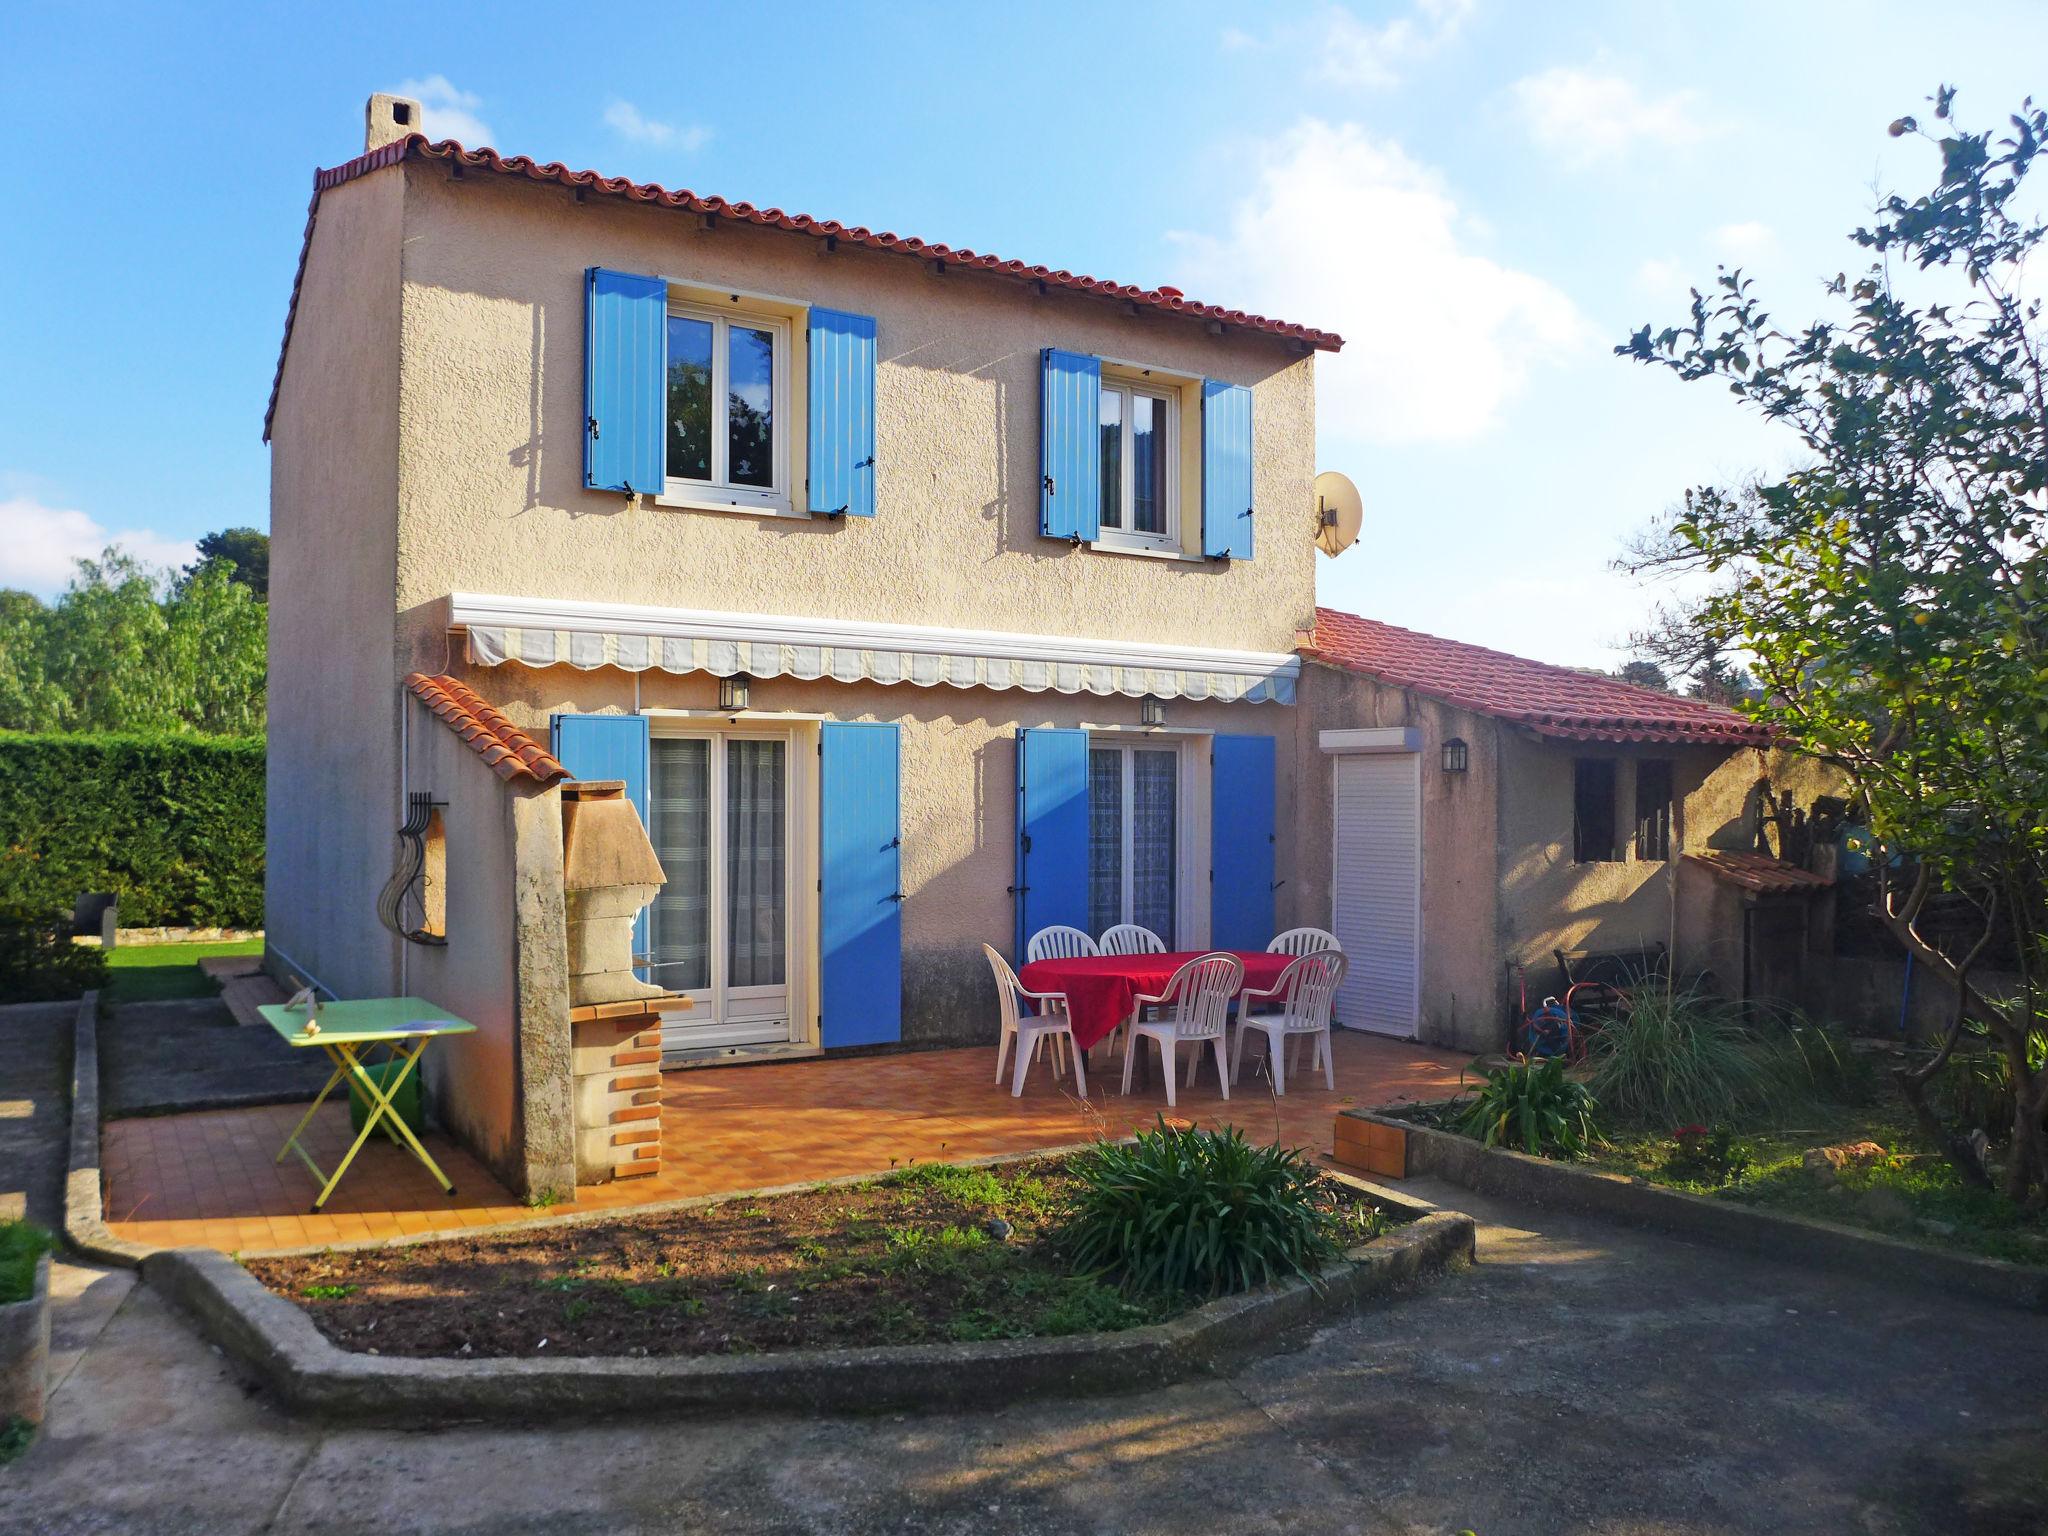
{"type": "Point", "coordinates": [1593, 811]}
{"type": "Point", "coordinates": [727, 386]}
{"type": "Point", "coordinates": [1140, 466]}
{"type": "Point", "coordinates": [1653, 809]}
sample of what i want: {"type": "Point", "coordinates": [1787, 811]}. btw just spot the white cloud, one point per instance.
{"type": "Point", "coordinates": [1360, 54]}
{"type": "Point", "coordinates": [1346, 232]}
{"type": "Point", "coordinates": [1747, 241]}
{"type": "Point", "coordinates": [448, 113]}
{"type": "Point", "coordinates": [1348, 51]}
{"type": "Point", "coordinates": [1586, 115]}
{"type": "Point", "coordinates": [628, 121]}
{"type": "Point", "coordinates": [1669, 282]}
{"type": "Point", "coordinates": [39, 545]}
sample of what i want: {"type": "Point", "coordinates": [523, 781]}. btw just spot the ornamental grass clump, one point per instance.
{"type": "Point", "coordinates": [1534, 1107]}
{"type": "Point", "coordinates": [22, 1243]}
{"type": "Point", "coordinates": [1196, 1211]}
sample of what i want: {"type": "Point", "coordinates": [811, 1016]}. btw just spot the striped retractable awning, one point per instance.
{"type": "Point", "coordinates": [546, 633]}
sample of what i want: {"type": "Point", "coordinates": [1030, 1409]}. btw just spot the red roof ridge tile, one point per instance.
{"type": "Point", "coordinates": [419, 146]}
{"type": "Point", "coordinates": [507, 750]}
{"type": "Point", "coordinates": [1540, 696]}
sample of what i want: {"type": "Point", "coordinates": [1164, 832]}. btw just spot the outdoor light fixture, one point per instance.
{"type": "Point", "coordinates": [733, 691]}
{"type": "Point", "coordinates": [1152, 711]}
{"type": "Point", "coordinates": [1455, 755]}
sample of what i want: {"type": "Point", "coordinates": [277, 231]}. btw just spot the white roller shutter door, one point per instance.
{"type": "Point", "coordinates": [1378, 889]}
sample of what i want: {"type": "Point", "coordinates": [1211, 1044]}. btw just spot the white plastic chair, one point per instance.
{"type": "Point", "coordinates": [1194, 1006]}
{"type": "Point", "coordinates": [1132, 939]}
{"type": "Point", "coordinates": [1304, 941]}
{"type": "Point", "coordinates": [1058, 943]}
{"type": "Point", "coordinates": [1028, 1031]}
{"type": "Point", "coordinates": [1305, 992]}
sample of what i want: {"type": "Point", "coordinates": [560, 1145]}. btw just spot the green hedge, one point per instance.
{"type": "Point", "coordinates": [173, 825]}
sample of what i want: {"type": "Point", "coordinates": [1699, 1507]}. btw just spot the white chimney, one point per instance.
{"type": "Point", "coordinates": [388, 118]}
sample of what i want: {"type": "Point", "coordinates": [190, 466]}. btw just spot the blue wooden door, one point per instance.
{"type": "Point", "coordinates": [611, 747]}
{"type": "Point", "coordinates": [1052, 831]}
{"type": "Point", "coordinates": [1241, 830]}
{"type": "Point", "coordinates": [860, 895]}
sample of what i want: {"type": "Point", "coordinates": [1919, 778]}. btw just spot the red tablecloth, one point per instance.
{"type": "Point", "coordinates": [1103, 989]}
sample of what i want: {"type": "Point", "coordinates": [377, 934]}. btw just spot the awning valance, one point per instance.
{"type": "Point", "coordinates": [539, 632]}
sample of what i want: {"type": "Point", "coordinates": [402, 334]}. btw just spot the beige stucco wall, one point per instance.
{"type": "Point", "coordinates": [1548, 902]}
{"type": "Point", "coordinates": [333, 713]}
{"type": "Point", "coordinates": [1461, 962]}
{"type": "Point", "coordinates": [958, 802]}
{"type": "Point", "coordinates": [491, 497]}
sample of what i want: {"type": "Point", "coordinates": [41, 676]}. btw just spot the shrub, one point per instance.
{"type": "Point", "coordinates": [21, 1244]}
{"type": "Point", "coordinates": [1685, 1055]}
{"type": "Point", "coordinates": [1702, 1156]}
{"type": "Point", "coordinates": [1198, 1211]}
{"type": "Point", "coordinates": [39, 963]}
{"type": "Point", "coordinates": [172, 825]}
{"type": "Point", "coordinates": [1535, 1106]}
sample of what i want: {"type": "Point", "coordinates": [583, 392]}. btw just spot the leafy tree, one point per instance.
{"type": "Point", "coordinates": [1893, 589]}
{"type": "Point", "coordinates": [244, 553]}
{"type": "Point", "coordinates": [129, 648]}
{"type": "Point", "coordinates": [1644, 674]}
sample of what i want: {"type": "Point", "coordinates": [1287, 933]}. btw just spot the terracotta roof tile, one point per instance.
{"type": "Point", "coordinates": [1549, 700]}
{"type": "Point", "coordinates": [1758, 871]}
{"type": "Point", "coordinates": [510, 752]}
{"type": "Point", "coordinates": [418, 147]}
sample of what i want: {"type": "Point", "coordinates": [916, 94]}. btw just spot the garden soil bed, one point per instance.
{"type": "Point", "coordinates": [928, 1254]}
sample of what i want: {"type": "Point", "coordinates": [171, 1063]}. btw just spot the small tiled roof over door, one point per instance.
{"type": "Point", "coordinates": [1548, 700]}
{"type": "Point", "coordinates": [510, 753]}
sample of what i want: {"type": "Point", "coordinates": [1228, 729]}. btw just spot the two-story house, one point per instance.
{"type": "Point", "coordinates": [915, 599]}
{"type": "Point", "coordinates": [919, 598]}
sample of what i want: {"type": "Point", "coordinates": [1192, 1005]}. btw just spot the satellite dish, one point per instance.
{"type": "Point", "coordinates": [1339, 512]}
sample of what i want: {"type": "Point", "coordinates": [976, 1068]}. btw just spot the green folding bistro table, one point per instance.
{"type": "Point", "coordinates": [405, 1027]}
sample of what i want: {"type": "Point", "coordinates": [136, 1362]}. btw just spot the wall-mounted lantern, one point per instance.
{"type": "Point", "coordinates": [1456, 757]}
{"type": "Point", "coordinates": [733, 692]}
{"type": "Point", "coordinates": [1152, 711]}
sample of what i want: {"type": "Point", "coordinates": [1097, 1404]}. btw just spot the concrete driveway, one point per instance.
{"type": "Point", "coordinates": [1584, 1378]}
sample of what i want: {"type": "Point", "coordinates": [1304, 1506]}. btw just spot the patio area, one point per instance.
{"type": "Point", "coordinates": [211, 1179]}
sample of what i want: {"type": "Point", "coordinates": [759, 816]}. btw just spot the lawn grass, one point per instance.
{"type": "Point", "coordinates": [1914, 1193]}
{"type": "Point", "coordinates": [21, 1244]}
{"type": "Point", "coordinates": [148, 973]}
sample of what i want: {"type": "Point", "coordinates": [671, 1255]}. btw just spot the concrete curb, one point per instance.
{"type": "Point", "coordinates": [85, 1227]}
{"type": "Point", "coordinates": [281, 1345]}
{"type": "Point", "coordinates": [1795, 1239]}
{"type": "Point", "coordinates": [25, 1350]}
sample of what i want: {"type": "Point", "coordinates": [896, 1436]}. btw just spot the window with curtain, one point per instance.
{"type": "Point", "coordinates": [1133, 838]}
{"type": "Point", "coordinates": [679, 792]}
{"type": "Point", "coordinates": [755, 836]}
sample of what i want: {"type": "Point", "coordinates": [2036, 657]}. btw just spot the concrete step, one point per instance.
{"type": "Point", "coordinates": [245, 994]}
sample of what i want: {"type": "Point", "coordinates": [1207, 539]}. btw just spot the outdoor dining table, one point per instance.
{"type": "Point", "coordinates": [1103, 990]}
{"type": "Point", "coordinates": [405, 1027]}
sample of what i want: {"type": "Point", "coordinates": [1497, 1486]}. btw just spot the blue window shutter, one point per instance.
{"type": "Point", "coordinates": [1070, 409]}
{"type": "Point", "coordinates": [1052, 831]}
{"type": "Point", "coordinates": [610, 747]}
{"type": "Point", "coordinates": [1241, 842]}
{"type": "Point", "coordinates": [1226, 470]}
{"type": "Point", "coordinates": [625, 410]}
{"type": "Point", "coordinates": [860, 909]}
{"type": "Point", "coordinates": [842, 390]}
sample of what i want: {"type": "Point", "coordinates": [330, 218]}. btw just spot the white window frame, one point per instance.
{"type": "Point", "coordinates": [718, 492]}
{"type": "Point", "coordinates": [722, 1028]}
{"type": "Point", "coordinates": [1185, 850]}
{"type": "Point", "coordinates": [1126, 538]}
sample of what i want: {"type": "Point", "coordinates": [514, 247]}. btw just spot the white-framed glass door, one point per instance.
{"type": "Point", "coordinates": [720, 809]}
{"type": "Point", "coordinates": [1134, 837]}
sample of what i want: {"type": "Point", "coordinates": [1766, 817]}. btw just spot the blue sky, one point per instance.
{"type": "Point", "coordinates": [1483, 195]}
